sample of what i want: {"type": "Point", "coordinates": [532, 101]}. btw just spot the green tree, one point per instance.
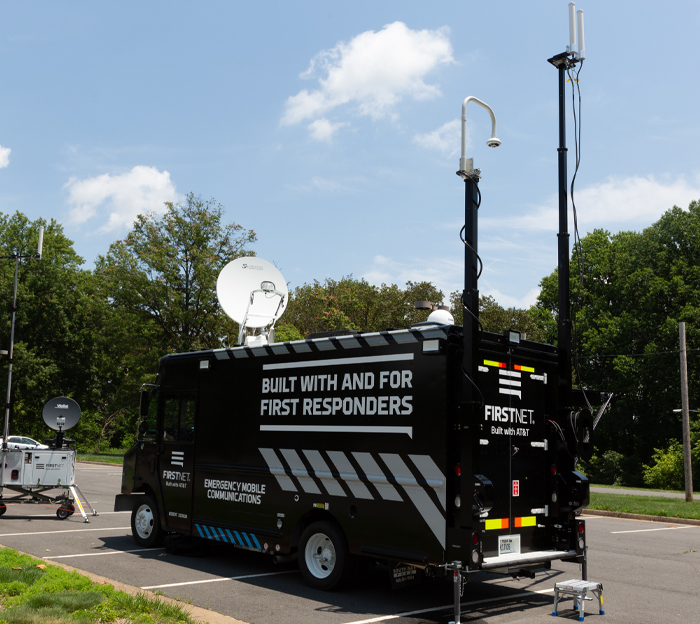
{"type": "Point", "coordinates": [495, 318]}
{"type": "Point", "coordinates": [634, 290]}
{"type": "Point", "coordinates": [163, 276]}
{"type": "Point", "coordinates": [60, 347]}
{"type": "Point", "coordinates": [355, 304]}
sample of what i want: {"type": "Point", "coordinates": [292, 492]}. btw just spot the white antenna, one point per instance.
{"type": "Point", "coordinates": [572, 28]}
{"type": "Point", "coordinates": [41, 240]}
{"type": "Point", "coordinates": [581, 45]}
{"type": "Point", "coordinates": [253, 293]}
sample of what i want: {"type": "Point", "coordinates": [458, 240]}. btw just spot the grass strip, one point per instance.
{"type": "Point", "coordinates": [33, 592]}
{"type": "Point", "coordinates": [646, 505]}
{"type": "Point", "coordinates": [111, 456]}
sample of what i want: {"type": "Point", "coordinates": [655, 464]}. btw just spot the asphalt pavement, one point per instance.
{"type": "Point", "coordinates": [650, 572]}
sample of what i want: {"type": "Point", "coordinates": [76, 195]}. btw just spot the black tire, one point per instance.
{"type": "Point", "coordinates": [65, 511]}
{"type": "Point", "coordinates": [324, 559]}
{"type": "Point", "coordinates": [145, 523]}
{"type": "Point", "coordinates": [3, 508]}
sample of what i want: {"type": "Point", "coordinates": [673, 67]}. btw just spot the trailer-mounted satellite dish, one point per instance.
{"type": "Point", "coordinates": [253, 293]}
{"type": "Point", "coordinates": [61, 413]}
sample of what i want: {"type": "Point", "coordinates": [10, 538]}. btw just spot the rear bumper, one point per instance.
{"type": "Point", "coordinates": [518, 560]}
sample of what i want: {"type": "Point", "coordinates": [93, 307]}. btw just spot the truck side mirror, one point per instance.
{"type": "Point", "coordinates": [143, 427]}
{"type": "Point", "coordinates": [143, 405]}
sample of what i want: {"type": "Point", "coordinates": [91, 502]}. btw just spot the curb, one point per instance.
{"type": "Point", "coordinates": [631, 516]}
{"type": "Point", "coordinates": [198, 613]}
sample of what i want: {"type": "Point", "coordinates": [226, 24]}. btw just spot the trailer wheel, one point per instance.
{"type": "Point", "coordinates": [65, 511]}
{"type": "Point", "coordinates": [324, 558]}
{"type": "Point", "coordinates": [3, 508]}
{"type": "Point", "coordinates": [145, 523]}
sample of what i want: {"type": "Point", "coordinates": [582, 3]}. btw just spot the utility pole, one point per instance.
{"type": "Point", "coordinates": [687, 464]}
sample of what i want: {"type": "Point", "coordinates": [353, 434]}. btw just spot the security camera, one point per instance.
{"type": "Point", "coordinates": [493, 142]}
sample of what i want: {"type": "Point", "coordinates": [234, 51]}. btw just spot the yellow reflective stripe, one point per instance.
{"type": "Point", "coordinates": [527, 369]}
{"type": "Point", "coordinates": [526, 521]}
{"type": "Point", "coordinates": [496, 523]}
{"type": "Point", "coordinates": [492, 363]}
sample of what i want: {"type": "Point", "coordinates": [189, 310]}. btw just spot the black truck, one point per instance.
{"type": "Point", "coordinates": [435, 446]}
{"type": "Point", "coordinates": [362, 445]}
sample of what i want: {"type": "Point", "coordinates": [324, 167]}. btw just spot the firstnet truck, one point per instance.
{"type": "Point", "coordinates": [433, 446]}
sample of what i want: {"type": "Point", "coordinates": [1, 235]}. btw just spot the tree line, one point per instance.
{"type": "Point", "coordinates": [97, 335]}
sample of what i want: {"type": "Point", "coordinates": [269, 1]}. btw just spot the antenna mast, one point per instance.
{"type": "Point", "coordinates": [575, 53]}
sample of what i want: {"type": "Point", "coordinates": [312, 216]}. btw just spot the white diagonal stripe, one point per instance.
{"type": "Point", "coordinates": [348, 474]}
{"type": "Point", "coordinates": [376, 477]}
{"type": "Point", "coordinates": [323, 472]}
{"type": "Point", "coordinates": [277, 469]}
{"type": "Point", "coordinates": [432, 474]}
{"type": "Point", "coordinates": [299, 471]}
{"type": "Point", "coordinates": [431, 514]}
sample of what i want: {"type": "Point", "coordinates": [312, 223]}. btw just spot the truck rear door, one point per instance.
{"type": "Point", "coordinates": [512, 449]}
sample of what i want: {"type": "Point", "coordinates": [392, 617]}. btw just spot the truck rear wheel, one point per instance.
{"type": "Point", "coordinates": [324, 558]}
{"type": "Point", "coordinates": [145, 523]}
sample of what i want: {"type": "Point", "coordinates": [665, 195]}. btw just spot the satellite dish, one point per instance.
{"type": "Point", "coordinates": [61, 413]}
{"type": "Point", "coordinates": [253, 292]}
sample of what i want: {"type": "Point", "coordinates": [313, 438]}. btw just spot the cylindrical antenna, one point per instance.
{"type": "Point", "coordinates": [581, 45]}
{"type": "Point", "coordinates": [572, 28]}
{"type": "Point", "coordinates": [41, 240]}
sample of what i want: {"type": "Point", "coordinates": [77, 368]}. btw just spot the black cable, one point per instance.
{"type": "Point", "coordinates": [473, 383]}
{"type": "Point", "coordinates": [462, 236]}
{"type": "Point", "coordinates": [478, 257]}
{"type": "Point", "coordinates": [476, 318]}
{"type": "Point", "coordinates": [578, 246]}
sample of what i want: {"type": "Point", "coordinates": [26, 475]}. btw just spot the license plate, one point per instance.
{"type": "Point", "coordinates": [508, 544]}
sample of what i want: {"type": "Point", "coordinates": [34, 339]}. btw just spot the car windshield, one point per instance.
{"type": "Point", "coordinates": [30, 441]}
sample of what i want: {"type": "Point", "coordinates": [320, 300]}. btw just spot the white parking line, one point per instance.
{"type": "Point", "coordinates": [53, 515]}
{"type": "Point", "coordinates": [383, 618]}
{"type": "Point", "coordinates": [111, 552]}
{"type": "Point", "coordinates": [670, 528]}
{"type": "Point", "coordinates": [220, 579]}
{"type": "Point", "coordinates": [65, 531]}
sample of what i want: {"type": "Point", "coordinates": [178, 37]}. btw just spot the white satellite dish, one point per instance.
{"type": "Point", "coordinates": [253, 292]}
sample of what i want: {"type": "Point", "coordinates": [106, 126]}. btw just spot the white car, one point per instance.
{"type": "Point", "coordinates": [22, 442]}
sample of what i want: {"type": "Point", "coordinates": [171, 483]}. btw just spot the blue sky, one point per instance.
{"type": "Point", "coordinates": [331, 129]}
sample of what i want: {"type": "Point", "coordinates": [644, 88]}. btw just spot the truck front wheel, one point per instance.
{"type": "Point", "coordinates": [145, 523]}
{"type": "Point", "coordinates": [324, 558]}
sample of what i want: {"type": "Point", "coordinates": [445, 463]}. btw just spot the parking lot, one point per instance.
{"type": "Point", "coordinates": [650, 572]}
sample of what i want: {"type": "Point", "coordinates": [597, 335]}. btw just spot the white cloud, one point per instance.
{"type": "Point", "coordinates": [618, 203]}
{"type": "Point", "coordinates": [446, 274]}
{"type": "Point", "coordinates": [446, 139]}
{"type": "Point", "coordinates": [123, 196]}
{"type": "Point", "coordinates": [374, 71]}
{"type": "Point", "coordinates": [507, 301]}
{"type": "Point", "coordinates": [323, 130]}
{"type": "Point", "coordinates": [4, 156]}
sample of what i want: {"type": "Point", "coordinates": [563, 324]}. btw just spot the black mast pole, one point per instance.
{"type": "Point", "coordinates": [562, 63]}
{"type": "Point", "coordinates": [470, 295]}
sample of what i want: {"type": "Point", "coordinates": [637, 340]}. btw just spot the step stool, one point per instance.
{"type": "Point", "coordinates": [578, 590]}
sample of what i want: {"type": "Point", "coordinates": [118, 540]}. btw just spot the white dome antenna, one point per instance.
{"type": "Point", "coordinates": [253, 292]}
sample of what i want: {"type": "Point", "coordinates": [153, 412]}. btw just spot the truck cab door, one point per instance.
{"type": "Point", "coordinates": [176, 459]}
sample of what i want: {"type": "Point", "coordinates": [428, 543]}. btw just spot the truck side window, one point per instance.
{"type": "Point", "coordinates": [178, 417]}
{"type": "Point", "coordinates": [187, 411]}
{"type": "Point", "coordinates": [171, 417]}
{"type": "Point", "coordinates": [151, 421]}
